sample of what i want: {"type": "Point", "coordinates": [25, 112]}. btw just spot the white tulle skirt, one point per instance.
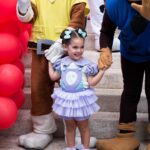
{"type": "Point", "coordinates": [75, 105]}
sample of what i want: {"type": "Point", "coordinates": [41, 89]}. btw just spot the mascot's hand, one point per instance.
{"type": "Point", "coordinates": [55, 52]}
{"type": "Point", "coordinates": [24, 5]}
{"type": "Point", "coordinates": [143, 9]}
{"type": "Point", "coordinates": [105, 59]}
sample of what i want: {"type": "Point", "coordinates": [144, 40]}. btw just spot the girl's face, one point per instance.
{"type": "Point", "coordinates": [76, 48]}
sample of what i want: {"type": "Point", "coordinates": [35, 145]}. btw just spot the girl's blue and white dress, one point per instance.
{"type": "Point", "coordinates": [75, 99]}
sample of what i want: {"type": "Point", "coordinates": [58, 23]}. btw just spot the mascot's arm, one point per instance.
{"type": "Point", "coordinates": [106, 40]}
{"type": "Point", "coordinates": [107, 32]}
{"type": "Point", "coordinates": [78, 19]}
{"type": "Point", "coordinates": [143, 9]}
{"type": "Point", "coordinates": [26, 11]}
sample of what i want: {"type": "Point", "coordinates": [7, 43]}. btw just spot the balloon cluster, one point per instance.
{"type": "Point", "coordinates": [14, 36]}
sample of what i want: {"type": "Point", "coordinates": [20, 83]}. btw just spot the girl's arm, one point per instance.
{"type": "Point", "coordinates": [93, 80]}
{"type": "Point", "coordinates": [54, 75]}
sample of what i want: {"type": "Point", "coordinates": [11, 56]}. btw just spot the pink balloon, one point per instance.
{"type": "Point", "coordinates": [11, 79]}
{"type": "Point", "coordinates": [9, 48]}
{"type": "Point", "coordinates": [8, 113]}
{"type": "Point", "coordinates": [18, 98]}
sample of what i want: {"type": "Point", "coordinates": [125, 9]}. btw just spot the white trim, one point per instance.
{"type": "Point", "coordinates": [27, 17]}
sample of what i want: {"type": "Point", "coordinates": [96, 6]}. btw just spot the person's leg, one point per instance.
{"type": "Point", "coordinates": [42, 118]}
{"type": "Point", "coordinates": [147, 92]}
{"type": "Point", "coordinates": [78, 141]}
{"type": "Point", "coordinates": [132, 79]}
{"type": "Point", "coordinates": [147, 85]}
{"type": "Point", "coordinates": [83, 126]}
{"type": "Point", "coordinates": [70, 132]}
{"type": "Point", "coordinates": [41, 86]}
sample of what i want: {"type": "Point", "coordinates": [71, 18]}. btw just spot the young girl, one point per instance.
{"type": "Point", "coordinates": [75, 100]}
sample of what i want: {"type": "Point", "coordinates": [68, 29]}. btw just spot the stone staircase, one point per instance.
{"type": "Point", "coordinates": [103, 124]}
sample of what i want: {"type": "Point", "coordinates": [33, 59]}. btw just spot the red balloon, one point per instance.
{"type": "Point", "coordinates": [24, 38]}
{"type": "Point", "coordinates": [15, 26]}
{"type": "Point", "coordinates": [8, 10]}
{"type": "Point", "coordinates": [8, 113]}
{"type": "Point", "coordinates": [18, 98]}
{"type": "Point", "coordinates": [11, 79]}
{"type": "Point", "coordinates": [10, 27]}
{"type": "Point", "coordinates": [24, 26]}
{"type": "Point", "coordinates": [9, 48]}
{"type": "Point", "coordinates": [20, 65]}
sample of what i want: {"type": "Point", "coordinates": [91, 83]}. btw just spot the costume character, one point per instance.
{"type": "Point", "coordinates": [135, 62]}
{"type": "Point", "coordinates": [49, 18]}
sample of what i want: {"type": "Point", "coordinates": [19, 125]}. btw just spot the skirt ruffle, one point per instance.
{"type": "Point", "coordinates": [79, 104]}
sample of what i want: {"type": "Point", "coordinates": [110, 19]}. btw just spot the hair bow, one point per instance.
{"type": "Point", "coordinates": [82, 33]}
{"type": "Point", "coordinates": [67, 34]}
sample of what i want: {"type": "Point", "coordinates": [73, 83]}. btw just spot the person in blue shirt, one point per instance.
{"type": "Point", "coordinates": [133, 20]}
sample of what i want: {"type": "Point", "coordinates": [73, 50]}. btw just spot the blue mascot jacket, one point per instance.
{"type": "Point", "coordinates": [135, 30]}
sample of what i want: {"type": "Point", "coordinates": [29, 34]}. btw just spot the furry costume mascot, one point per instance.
{"type": "Point", "coordinates": [135, 62]}
{"type": "Point", "coordinates": [14, 36]}
{"type": "Point", "coordinates": [49, 18]}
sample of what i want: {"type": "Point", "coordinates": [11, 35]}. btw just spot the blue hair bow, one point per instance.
{"type": "Point", "coordinates": [67, 35]}
{"type": "Point", "coordinates": [82, 33]}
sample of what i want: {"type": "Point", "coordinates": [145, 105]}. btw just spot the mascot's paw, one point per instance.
{"type": "Point", "coordinates": [55, 52]}
{"type": "Point", "coordinates": [35, 140]}
{"type": "Point", "coordinates": [148, 147]}
{"type": "Point", "coordinates": [92, 143]}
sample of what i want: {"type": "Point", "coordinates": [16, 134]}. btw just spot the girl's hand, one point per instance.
{"type": "Point", "coordinates": [50, 64]}
{"type": "Point", "coordinates": [143, 9]}
{"type": "Point", "coordinates": [103, 70]}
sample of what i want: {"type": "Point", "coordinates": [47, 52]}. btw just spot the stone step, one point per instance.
{"type": "Point", "coordinates": [108, 99]}
{"type": "Point", "coordinates": [90, 39]}
{"type": "Point", "coordinates": [89, 27]}
{"type": "Point", "coordinates": [94, 56]}
{"type": "Point", "coordinates": [102, 125]}
{"type": "Point", "coordinates": [89, 54]}
{"type": "Point", "coordinates": [90, 42]}
{"type": "Point", "coordinates": [111, 80]}
{"type": "Point", "coordinates": [11, 143]}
